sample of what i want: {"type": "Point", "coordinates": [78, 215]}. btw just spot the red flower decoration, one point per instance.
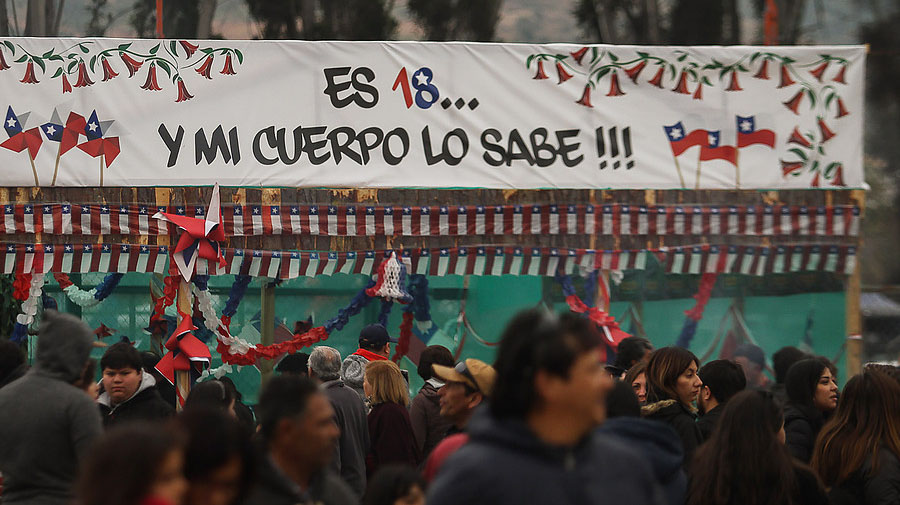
{"type": "Point", "coordinates": [614, 89]}
{"type": "Point", "coordinates": [84, 79]}
{"type": "Point", "coordinates": [3, 65]}
{"type": "Point", "coordinates": [29, 77]}
{"type": "Point", "coordinates": [785, 77]}
{"type": "Point", "coordinates": [228, 69]}
{"type": "Point", "coordinates": [108, 72]}
{"type": "Point", "coordinates": [815, 181]}
{"type": "Point", "coordinates": [657, 79]}
{"type": "Point", "coordinates": [733, 85]}
{"type": "Point", "coordinates": [67, 88]}
{"type": "Point", "coordinates": [585, 97]}
{"type": "Point", "coordinates": [183, 94]}
{"type": "Point", "coordinates": [151, 84]}
{"type": "Point", "coordinates": [206, 67]}
{"type": "Point", "coordinates": [131, 64]}
{"type": "Point", "coordinates": [818, 71]}
{"type": "Point", "coordinates": [826, 132]}
{"type": "Point", "coordinates": [681, 87]}
{"type": "Point", "coordinates": [540, 71]}
{"type": "Point", "coordinates": [561, 73]}
{"type": "Point", "coordinates": [698, 93]}
{"type": "Point", "coordinates": [842, 111]}
{"type": "Point", "coordinates": [794, 102]}
{"type": "Point", "coordinates": [837, 181]}
{"type": "Point", "coordinates": [635, 71]}
{"type": "Point", "coordinates": [188, 47]}
{"type": "Point", "coordinates": [789, 167]}
{"type": "Point", "coordinates": [579, 54]}
{"type": "Point", "coordinates": [796, 138]}
{"type": "Point", "coordinates": [838, 78]}
{"type": "Point", "coordinates": [763, 72]}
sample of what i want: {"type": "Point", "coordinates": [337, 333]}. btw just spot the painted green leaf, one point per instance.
{"type": "Point", "coordinates": [601, 73]}
{"type": "Point", "coordinates": [124, 47]}
{"type": "Point", "coordinates": [613, 57]}
{"type": "Point", "coordinates": [57, 73]}
{"type": "Point", "coordinates": [56, 57]}
{"type": "Point", "coordinates": [166, 67]}
{"type": "Point", "coordinates": [93, 61]}
{"type": "Point", "coordinates": [47, 54]}
{"type": "Point", "coordinates": [173, 47]}
{"type": "Point", "coordinates": [10, 46]}
{"type": "Point", "coordinates": [642, 54]}
{"type": "Point", "coordinates": [527, 60]}
{"type": "Point", "coordinates": [40, 63]}
{"type": "Point", "coordinates": [799, 152]}
{"type": "Point", "coordinates": [829, 170]}
{"type": "Point", "coordinates": [755, 56]}
{"type": "Point", "coordinates": [22, 58]}
{"type": "Point", "coordinates": [83, 48]}
{"type": "Point", "coordinates": [682, 57]}
{"type": "Point", "coordinates": [154, 49]}
{"type": "Point", "coordinates": [240, 56]}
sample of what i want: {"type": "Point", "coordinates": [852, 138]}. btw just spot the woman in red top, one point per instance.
{"type": "Point", "coordinates": [390, 430]}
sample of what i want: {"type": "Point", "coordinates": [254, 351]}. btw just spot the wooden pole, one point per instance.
{"type": "Point", "coordinates": [183, 377]}
{"type": "Point", "coordinates": [267, 326]}
{"type": "Point", "coordinates": [852, 290]}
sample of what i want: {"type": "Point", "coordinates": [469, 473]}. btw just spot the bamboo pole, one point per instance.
{"type": "Point", "coordinates": [183, 377]}
{"type": "Point", "coordinates": [853, 318]}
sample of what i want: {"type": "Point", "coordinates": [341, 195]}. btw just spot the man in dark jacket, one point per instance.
{"type": "Point", "coordinates": [349, 459]}
{"type": "Point", "coordinates": [722, 379]}
{"type": "Point", "coordinates": [129, 392]}
{"type": "Point", "coordinates": [536, 441]}
{"type": "Point", "coordinates": [46, 424]}
{"type": "Point", "coordinates": [374, 344]}
{"type": "Point", "coordinates": [298, 432]}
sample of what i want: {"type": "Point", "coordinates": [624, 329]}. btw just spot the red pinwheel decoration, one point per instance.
{"type": "Point", "coordinates": [98, 145]}
{"type": "Point", "coordinates": [103, 331]}
{"type": "Point", "coordinates": [184, 350]}
{"type": "Point", "coordinates": [21, 139]}
{"type": "Point", "coordinates": [200, 237]}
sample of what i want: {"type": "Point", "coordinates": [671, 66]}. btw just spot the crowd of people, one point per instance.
{"type": "Point", "coordinates": [548, 422]}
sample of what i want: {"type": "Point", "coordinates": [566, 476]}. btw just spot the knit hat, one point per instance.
{"type": "Point", "coordinates": [353, 370]}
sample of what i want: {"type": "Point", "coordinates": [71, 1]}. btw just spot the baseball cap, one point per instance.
{"type": "Point", "coordinates": [375, 334]}
{"type": "Point", "coordinates": [472, 372]}
{"type": "Point", "coordinates": [753, 353]}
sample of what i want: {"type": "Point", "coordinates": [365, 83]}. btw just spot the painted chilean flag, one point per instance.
{"type": "Point", "coordinates": [711, 150]}
{"type": "Point", "coordinates": [681, 141]}
{"type": "Point", "coordinates": [747, 134]}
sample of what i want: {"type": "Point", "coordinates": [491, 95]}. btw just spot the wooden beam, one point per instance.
{"type": "Point", "coordinates": [852, 316]}
{"type": "Point", "coordinates": [185, 306]}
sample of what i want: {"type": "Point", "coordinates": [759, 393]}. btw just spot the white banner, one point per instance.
{"type": "Point", "coordinates": [83, 112]}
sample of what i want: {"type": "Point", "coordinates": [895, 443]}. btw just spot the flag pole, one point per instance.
{"type": "Point", "coordinates": [33, 170]}
{"type": "Point", "coordinates": [678, 168]}
{"type": "Point", "coordinates": [101, 170]}
{"type": "Point", "coordinates": [56, 167]}
{"type": "Point", "coordinates": [737, 168]}
{"type": "Point", "coordinates": [697, 182]}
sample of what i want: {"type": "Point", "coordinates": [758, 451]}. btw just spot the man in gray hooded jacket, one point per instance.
{"type": "Point", "coordinates": [46, 423]}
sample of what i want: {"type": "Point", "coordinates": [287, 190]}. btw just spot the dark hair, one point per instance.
{"type": "Point", "coordinates": [214, 438]}
{"type": "Point", "coordinates": [783, 359]}
{"type": "Point", "coordinates": [724, 379]}
{"type": "Point", "coordinates": [391, 483]}
{"type": "Point", "coordinates": [433, 355]}
{"type": "Point", "coordinates": [284, 396]}
{"type": "Point", "coordinates": [631, 350]}
{"type": "Point", "coordinates": [294, 363]}
{"type": "Point", "coordinates": [88, 375]}
{"type": "Point", "coordinates": [121, 465]}
{"type": "Point", "coordinates": [632, 374]}
{"type": "Point", "coordinates": [11, 358]}
{"type": "Point", "coordinates": [231, 387]}
{"type": "Point", "coordinates": [209, 394]}
{"type": "Point", "coordinates": [866, 420]}
{"type": "Point", "coordinates": [536, 341]}
{"type": "Point", "coordinates": [622, 402]}
{"type": "Point", "coordinates": [801, 381]}
{"type": "Point", "coordinates": [664, 367]}
{"type": "Point", "coordinates": [121, 355]}
{"type": "Point", "coordinates": [890, 370]}
{"type": "Point", "coordinates": [747, 432]}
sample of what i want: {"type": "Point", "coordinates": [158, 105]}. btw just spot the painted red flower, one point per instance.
{"type": "Point", "coordinates": [29, 77]}
{"type": "Point", "coordinates": [635, 71]}
{"type": "Point", "coordinates": [838, 176]}
{"type": "Point", "coordinates": [108, 72]}
{"type": "Point", "coordinates": [614, 89]}
{"type": "Point", "coordinates": [794, 102]}
{"type": "Point", "coordinates": [785, 77]}
{"type": "Point", "coordinates": [188, 47]}
{"type": "Point", "coordinates": [733, 85]}
{"type": "Point", "coordinates": [131, 64]}
{"type": "Point", "coordinates": [842, 111]}
{"type": "Point", "coordinates": [838, 78]}
{"type": "Point", "coordinates": [681, 87]}
{"type": "Point", "coordinates": [698, 93]}
{"type": "Point", "coordinates": [151, 83]}
{"type": "Point", "coordinates": [657, 79]}
{"type": "Point", "coordinates": [585, 97]}
{"type": "Point", "coordinates": [540, 71]}
{"type": "Point", "coordinates": [579, 54]}
{"type": "Point", "coordinates": [561, 73]}
{"type": "Point", "coordinates": [815, 181]}
{"type": "Point", "coordinates": [827, 134]}
{"type": "Point", "coordinates": [763, 72]}
{"type": "Point", "coordinates": [183, 94]}
{"type": "Point", "coordinates": [206, 67]}
{"type": "Point", "coordinates": [84, 79]}
{"type": "Point", "coordinates": [796, 138]}
{"type": "Point", "coordinates": [789, 167]}
{"type": "Point", "coordinates": [3, 65]}
{"type": "Point", "coordinates": [67, 88]}
{"type": "Point", "coordinates": [228, 69]}
{"type": "Point", "coordinates": [819, 71]}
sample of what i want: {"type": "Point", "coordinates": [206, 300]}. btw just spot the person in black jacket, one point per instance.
{"type": "Point", "coordinates": [745, 461]}
{"type": "Point", "coordinates": [812, 396]}
{"type": "Point", "coordinates": [722, 379]}
{"type": "Point", "coordinates": [858, 451]}
{"type": "Point", "coordinates": [672, 388]}
{"type": "Point", "coordinates": [129, 392]}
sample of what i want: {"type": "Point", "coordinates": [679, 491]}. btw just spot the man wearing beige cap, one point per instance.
{"type": "Point", "coordinates": [466, 386]}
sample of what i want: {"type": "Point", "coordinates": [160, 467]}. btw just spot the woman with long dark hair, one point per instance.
{"type": "Point", "coordinates": [812, 393]}
{"type": "Point", "coordinates": [672, 389]}
{"type": "Point", "coordinates": [745, 461]}
{"type": "Point", "coordinates": [857, 454]}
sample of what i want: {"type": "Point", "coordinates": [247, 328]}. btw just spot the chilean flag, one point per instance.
{"type": "Point", "coordinates": [747, 134]}
{"type": "Point", "coordinates": [680, 141]}
{"type": "Point", "coordinates": [711, 150]}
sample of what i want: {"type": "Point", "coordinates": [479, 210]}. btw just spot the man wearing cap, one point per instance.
{"type": "Point", "coordinates": [466, 386]}
{"type": "Point", "coordinates": [374, 345]}
{"type": "Point", "coordinates": [753, 360]}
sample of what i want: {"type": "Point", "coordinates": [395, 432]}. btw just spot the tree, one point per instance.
{"type": "Point", "coordinates": [456, 19]}
{"type": "Point", "coordinates": [180, 18]}
{"type": "Point", "coordinates": [324, 19]}
{"type": "Point", "coordinates": [99, 19]}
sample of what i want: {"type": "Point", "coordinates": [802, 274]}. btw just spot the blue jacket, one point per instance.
{"type": "Point", "coordinates": [505, 463]}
